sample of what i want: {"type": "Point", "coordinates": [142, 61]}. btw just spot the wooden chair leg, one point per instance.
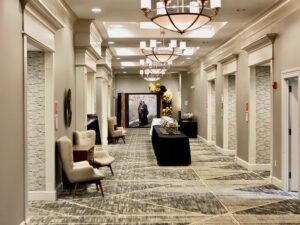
{"type": "Point", "coordinates": [74, 190]}
{"type": "Point", "coordinates": [97, 186]}
{"type": "Point", "coordinates": [123, 139]}
{"type": "Point", "coordinates": [111, 170]}
{"type": "Point", "coordinates": [101, 188]}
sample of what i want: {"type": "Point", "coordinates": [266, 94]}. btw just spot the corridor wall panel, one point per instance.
{"type": "Point", "coordinates": [12, 188]}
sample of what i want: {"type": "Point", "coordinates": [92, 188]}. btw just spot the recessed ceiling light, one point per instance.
{"type": "Point", "coordinates": [111, 42]}
{"type": "Point", "coordinates": [96, 10]}
{"type": "Point", "coordinates": [188, 58]}
{"type": "Point", "coordinates": [118, 58]}
{"type": "Point", "coordinates": [124, 72]}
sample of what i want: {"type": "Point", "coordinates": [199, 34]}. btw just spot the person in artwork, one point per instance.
{"type": "Point", "coordinates": [143, 113]}
{"type": "Point", "coordinates": [140, 112]}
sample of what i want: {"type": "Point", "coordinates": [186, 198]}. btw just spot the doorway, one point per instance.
{"type": "Point", "coordinates": [40, 131]}
{"type": "Point", "coordinates": [290, 129]}
{"type": "Point", "coordinates": [229, 127]}
{"type": "Point", "coordinates": [211, 112]}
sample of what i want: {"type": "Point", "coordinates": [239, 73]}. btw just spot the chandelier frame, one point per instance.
{"type": "Point", "coordinates": [180, 10]}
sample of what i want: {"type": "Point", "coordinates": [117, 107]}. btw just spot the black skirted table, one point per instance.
{"type": "Point", "coordinates": [171, 149]}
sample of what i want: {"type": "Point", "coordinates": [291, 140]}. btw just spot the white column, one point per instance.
{"type": "Point", "coordinates": [101, 107]}
{"type": "Point", "coordinates": [81, 84]}
{"type": "Point", "coordinates": [49, 126]}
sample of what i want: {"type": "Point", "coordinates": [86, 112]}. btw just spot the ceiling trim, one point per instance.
{"type": "Point", "coordinates": [44, 15]}
{"type": "Point", "coordinates": [265, 40]}
{"type": "Point", "coordinates": [210, 67]}
{"type": "Point", "coordinates": [229, 58]}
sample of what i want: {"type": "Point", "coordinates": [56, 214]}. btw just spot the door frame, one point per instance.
{"type": "Point", "coordinates": [209, 112]}
{"type": "Point", "coordinates": [252, 118]}
{"type": "Point", "coordinates": [286, 75]}
{"type": "Point", "coordinates": [50, 187]}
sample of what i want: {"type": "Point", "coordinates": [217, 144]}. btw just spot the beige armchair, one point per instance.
{"type": "Point", "coordinates": [77, 172]}
{"type": "Point", "coordinates": [114, 132]}
{"type": "Point", "coordinates": [101, 157]}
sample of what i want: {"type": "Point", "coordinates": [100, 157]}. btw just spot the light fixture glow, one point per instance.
{"type": "Point", "coordinates": [111, 42]}
{"type": "Point", "coordinates": [162, 53]}
{"type": "Point", "coordinates": [96, 10]}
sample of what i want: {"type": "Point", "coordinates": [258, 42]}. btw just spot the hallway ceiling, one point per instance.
{"type": "Point", "coordinates": [120, 22]}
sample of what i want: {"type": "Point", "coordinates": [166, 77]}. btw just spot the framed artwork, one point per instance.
{"type": "Point", "coordinates": [141, 109]}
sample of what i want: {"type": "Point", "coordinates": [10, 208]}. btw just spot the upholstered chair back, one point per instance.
{"type": "Point", "coordinates": [111, 123]}
{"type": "Point", "coordinates": [85, 137]}
{"type": "Point", "coordinates": [64, 145]}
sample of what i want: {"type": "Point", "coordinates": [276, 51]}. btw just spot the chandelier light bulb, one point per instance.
{"type": "Point", "coordinates": [146, 4]}
{"type": "Point", "coordinates": [142, 44]}
{"type": "Point", "coordinates": [194, 7]}
{"type": "Point", "coordinates": [153, 44]}
{"type": "Point", "coordinates": [215, 4]}
{"type": "Point", "coordinates": [182, 45]}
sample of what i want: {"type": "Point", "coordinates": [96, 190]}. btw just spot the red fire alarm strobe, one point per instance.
{"type": "Point", "coordinates": [274, 85]}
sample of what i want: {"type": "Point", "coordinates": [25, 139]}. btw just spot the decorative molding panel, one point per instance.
{"type": "Point", "coordinates": [210, 67]}
{"type": "Point", "coordinates": [40, 24]}
{"type": "Point", "coordinates": [229, 64]}
{"type": "Point", "coordinates": [260, 50]}
{"type": "Point", "coordinates": [211, 72]}
{"type": "Point", "coordinates": [268, 39]}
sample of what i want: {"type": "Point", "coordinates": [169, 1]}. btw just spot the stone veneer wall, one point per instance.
{"type": "Point", "coordinates": [36, 120]}
{"type": "Point", "coordinates": [263, 115]}
{"type": "Point", "coordinates": [232, 141]}
{"type": "Point", "coordinates": [213, 110]}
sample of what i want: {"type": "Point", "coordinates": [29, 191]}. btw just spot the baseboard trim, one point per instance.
{"type": "Point", "coordinates": [42, 195]}
{"type": "Point", "coordinates": [277, 182]}
{"type": "Point", "coordinates": [26, 222]}
{"type": "Point", "coordinates": [202, 139]}
{"type": "Point", "coordinates": [209, 143]}
{"type": "Point", "coordinates": [225, 151]}
{"type": "Point", "coordinates": [252, 167]}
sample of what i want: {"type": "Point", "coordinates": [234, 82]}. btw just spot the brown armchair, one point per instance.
{"type": "Point", "coordinates": [77, 172]}
{"type": "Point", "coordinates": [115, 132]}
{"type": "Point", "coordinates": [101, 157]}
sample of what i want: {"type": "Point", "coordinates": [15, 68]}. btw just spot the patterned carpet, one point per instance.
{"type": "Point", "coordinates": [213, 190]}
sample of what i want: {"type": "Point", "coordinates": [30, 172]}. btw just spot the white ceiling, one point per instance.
{"type": "Point", "coordinates": [124, 17]}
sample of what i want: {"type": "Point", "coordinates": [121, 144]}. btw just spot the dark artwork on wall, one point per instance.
{"type": "Point", "coordinates": [138, 109]}
{"type": "Point", "coordinates": [68, 108]}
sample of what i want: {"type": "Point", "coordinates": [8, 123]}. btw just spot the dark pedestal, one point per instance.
{"type": "Point", "coordinates": [171, 150]}
{"type": "Point", "coordinates": [190, 128]}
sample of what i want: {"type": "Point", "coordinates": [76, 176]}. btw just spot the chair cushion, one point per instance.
{"type": "Point", "coordinates": [104, 161]}
{"type": "Point", "coordinates": [98, 173]}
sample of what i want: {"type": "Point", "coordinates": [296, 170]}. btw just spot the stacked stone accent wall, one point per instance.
{"type": "Point", "coordinates": [36, 120]}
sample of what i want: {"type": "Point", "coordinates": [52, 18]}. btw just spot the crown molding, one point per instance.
{"type": "Point", "coordinates": [229, 58]}
{"type": "Point", "coordinates": [70, 13]}
{"type": "Point", "coordinates": [210, 67]}
{"type": "Point", "coordinates": [44, 15]}
{"type": "Point", "coordinates": [265, 40]}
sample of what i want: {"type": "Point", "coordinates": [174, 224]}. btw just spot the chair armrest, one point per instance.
{"type": "Point", "coordinates": [101, 154]}
{"type": "Point", "coordinates": [84, 174]}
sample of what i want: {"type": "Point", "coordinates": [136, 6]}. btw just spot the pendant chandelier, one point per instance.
{"type": "Point", "coordinates": [159, 52]}
{"type": "Point", "coordinates": [180, 15]}
{"type": "Point", "coordinates": [152, 71]}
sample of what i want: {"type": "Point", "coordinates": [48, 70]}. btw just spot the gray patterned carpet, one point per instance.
{"type": "Point", "coordinates": [213, 190]}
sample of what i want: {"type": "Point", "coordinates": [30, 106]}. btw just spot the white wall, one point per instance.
{"type": "Point", "coordinates": [12, 188]}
